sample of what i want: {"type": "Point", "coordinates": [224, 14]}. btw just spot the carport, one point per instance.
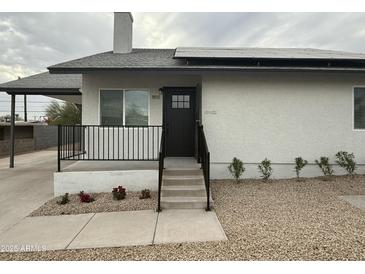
{"type": "Point", "coordinates": [65, 87]}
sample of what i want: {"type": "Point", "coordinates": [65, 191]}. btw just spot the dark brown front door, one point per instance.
{"type": "Point", "coordinates": [179, 119]}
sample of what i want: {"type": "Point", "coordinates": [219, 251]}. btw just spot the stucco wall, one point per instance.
{"type": "Point", "coordinates": [104, 181]}
{"type": "Point", "coordinates": [253, 115]}
{"type": "Point", "coordinates": [143, 143]}
{"type": "Point", "coordinates": [92, 82]}
{"type": "Point", "coordinates": [279, 116]}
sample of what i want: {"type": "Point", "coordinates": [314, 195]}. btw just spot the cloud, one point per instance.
{"type": "Point", "coordinates": [29, 42]}
{"type": "Point", "coordinates": [33, 41]}
{"type": "Point", "coordinates": [341, 31]}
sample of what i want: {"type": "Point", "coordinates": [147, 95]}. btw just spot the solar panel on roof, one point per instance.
{"type": "Point", "coordinates": [274, 53]}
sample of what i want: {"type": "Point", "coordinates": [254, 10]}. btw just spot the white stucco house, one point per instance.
{"type": "Point", "coordinates": [142, 107]}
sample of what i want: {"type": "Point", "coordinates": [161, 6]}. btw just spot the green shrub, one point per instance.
{"type": "Point", "coordinates": [64, 199]}
{"type": "Point", "coordinates": [265, 169]}
{"type": "Point", "coordinates": [325, 166]}
{"type": "Point", "coordinates": [346, 161]}
{"type": "Point", "coordinates": [236, 168]}
{"type": "Point", "coordinates": [299, 164]}
{"type": "Point", "coordinates": [145, 194]}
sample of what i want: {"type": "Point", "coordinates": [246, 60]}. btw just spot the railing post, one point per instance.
{"type": "Point", "coordinates": [73, 141]}
{"type": "Point", "coordinates": [201, 145]}
{"type": "Point", "coordinates": [208, 180]}
{"type": "Point", "coordinates": [59, 148]}
{"type": "Point", "coordinates": [198, 144]}
{"type": "Point", "coordinates": [161, 156]}
{"type": "Point", "coordinates": [159, 183]}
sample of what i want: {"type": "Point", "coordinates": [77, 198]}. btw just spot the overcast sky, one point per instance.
{"type": "Point", "coordinates": [29, 42]}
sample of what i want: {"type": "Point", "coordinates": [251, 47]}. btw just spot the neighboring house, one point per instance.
{"type": "Point", "coordinates": [254, 103]}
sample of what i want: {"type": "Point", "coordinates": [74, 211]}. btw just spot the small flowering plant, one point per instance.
{"type": "Point", "coordinates": [85, 198]}
{"type": "Point", "coordinates": [118, 193]}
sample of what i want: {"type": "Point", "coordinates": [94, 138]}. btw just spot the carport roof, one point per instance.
{"type": "Point", "coordinates": [45, 84]}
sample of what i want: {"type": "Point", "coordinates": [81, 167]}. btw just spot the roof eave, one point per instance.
{"type": "Point", "coordinates": [42, 91]}
{"type": "Point", "coordinates": [81, 70]}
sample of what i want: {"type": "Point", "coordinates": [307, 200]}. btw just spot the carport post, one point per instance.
{"type": "Point", "coordinates": [25, 108]}
{"type": "Point", "coordinates": [59, 148]}
{"type": "Point", "coordinates": [12, 130]}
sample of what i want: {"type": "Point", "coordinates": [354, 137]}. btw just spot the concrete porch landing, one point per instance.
{"type": "Point", "coordinates": [113, 229]}
{"type": "Point", "coordinates": [170, 162]}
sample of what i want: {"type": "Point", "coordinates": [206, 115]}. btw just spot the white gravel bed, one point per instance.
{"type": "Point", "coordinates": [279, 220]}
{"type": "Point", "coordinates": [103, 203]}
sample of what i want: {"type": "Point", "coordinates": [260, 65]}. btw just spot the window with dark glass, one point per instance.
{"type": "Point", "coordinates": [136, 108]}
{"type": "Point", "coordinates": [111, 107]}
{"type": "Point", "coordinates": [359, 108]}
{"type": "Point", "coordinates": [180, 101]}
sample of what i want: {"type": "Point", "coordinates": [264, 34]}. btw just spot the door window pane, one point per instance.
{"type": "Point", "coordinates": [136, 107]}
{"type": "Point", "coordinates": [180, 101]}
{"type": "Point", "coordinates": [359, 108]}
{"type": "Point", "coordinates": [111, 107]}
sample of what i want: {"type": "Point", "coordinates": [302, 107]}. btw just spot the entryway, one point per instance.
{"type": "Point", "coordinates": [180, 121]}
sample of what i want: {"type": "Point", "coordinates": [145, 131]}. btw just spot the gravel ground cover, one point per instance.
{"type": "Point", "coordinates": [103, 203]}
{"type": "Point", "coordinates": [278, 220]}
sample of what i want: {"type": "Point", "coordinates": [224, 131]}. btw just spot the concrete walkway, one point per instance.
{"type": "Point", "coordinates": [112, 229]}
{"type": "Point", "coordinates": [26, 186]}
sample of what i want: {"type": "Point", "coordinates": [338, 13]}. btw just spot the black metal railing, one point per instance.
{"type": "Point", "coordinates": [161, 159]}
{"type": "Point", "coordinates": [108, 143]}
{"type": "Point", "coordinates": [204, 159]}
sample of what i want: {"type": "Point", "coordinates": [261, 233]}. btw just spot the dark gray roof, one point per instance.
{"type": "Point", "coordinates": [168, 60]}
{"type": "Point", "coordinates": [45, 83]}
{"type": "Point", "coordinates": [271, 53]}
{"type": "Point", "coordinates": [138, 58]}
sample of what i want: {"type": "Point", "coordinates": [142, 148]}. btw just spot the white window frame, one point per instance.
{"type": "Point", "coordinates": [124, 90]}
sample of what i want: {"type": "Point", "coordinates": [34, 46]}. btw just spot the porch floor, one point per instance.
{"type": "Point", "coordinates": [181, 162]}
{"type": "Point", "coordinates": [170, 163]}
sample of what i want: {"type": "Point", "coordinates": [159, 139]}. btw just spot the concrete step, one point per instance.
{"type": "Point", "coordinates": [182, 180]}
{"type": "Point", "coordinates": [184, 202]}
{"type": "Point", "coordinates": [183, 172]}
{"type": "Point", "coordinates": [183, 191]}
